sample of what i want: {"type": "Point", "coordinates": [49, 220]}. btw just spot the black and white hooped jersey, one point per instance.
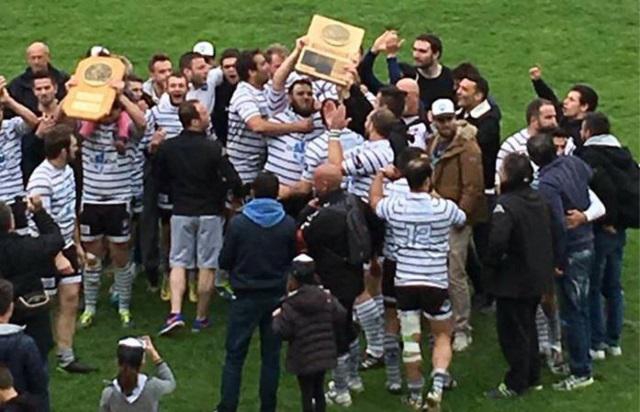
{"type": "Point", "coordinates": [285, 153]}
{"type": "Point", "coordinates": [57, 189]}
{"type": "Point", "coordinates": [420, 226]}
{"type": "Point", "coordinates": [107, 175]}
{"type": "Point", "coordinates": [11, 133]}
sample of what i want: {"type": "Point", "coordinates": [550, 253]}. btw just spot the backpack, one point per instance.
{"type": "Point", "coordinates": [358, 236]}
{"type": "Point", "coordinates": [626, 180]}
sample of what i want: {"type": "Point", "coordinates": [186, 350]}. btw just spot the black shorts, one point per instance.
{"type": "Point", "coordinates": [110, 220]}
{"type": "Point", "coordinates": [388, 286]}
{"type": "Point", "coordinates": [19, 211]}
{"type": "Point", "coordinates": [376, 231]}
{"type": "Point", "coordinates": [51, 282]}
{"type": "Point", "coordinates": [433, 302]}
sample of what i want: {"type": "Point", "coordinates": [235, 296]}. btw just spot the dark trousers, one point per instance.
{"type": "Point", "coordinates": [248, 312]}
{"type": "Point", "coordinates": [518, 337]}
{"type": "Point", "coordinates": [347, 333]}
{"type": "Point", "coordinates": [312, 391]}
{"type": "Point", "coordinates": [475, 257]}
{"type": "Point", "coordinates": [149, 228]}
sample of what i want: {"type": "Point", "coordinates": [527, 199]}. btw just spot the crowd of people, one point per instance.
{"type": "Point", "coordinates": [360, 223]}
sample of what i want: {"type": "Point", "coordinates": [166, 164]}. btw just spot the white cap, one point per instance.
{"type": "Point", "coordinates": [132, 343]}
{"type": "Point", "coordinates": [99, 51]}
{"type": "Point", "coordinates": [303, 258]}
{"type": "Point", "coordinates": [205, 48]}
{"type": "Point", "coordinates": [443, 107]}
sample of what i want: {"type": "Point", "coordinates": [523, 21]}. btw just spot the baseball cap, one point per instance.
{"type": "Point", "coordinates": [99, 51]}
{"type": "Point", "coordinates": [303, 268]}
{"type": "Point", "coordinates": [205, 48]}
{"type": "Point", "coordinates": [443, 107]}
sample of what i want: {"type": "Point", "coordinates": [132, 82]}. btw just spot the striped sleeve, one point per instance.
{"type": "Point", "coordinates": [19, 127]}
{"type": "Point", "coordinates": [246, 107]}
{"type": "Point", "coordinates": [383, 208]}
{"type": "Point", "coordinates": [457, 215]}
{"type": "Point", "coordinates": [365, 163]}
{"type": "Point", "coordinates": [276, 100]}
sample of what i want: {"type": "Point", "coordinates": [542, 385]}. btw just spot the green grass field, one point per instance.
{"type": "Point", "coordinates": [588, 41]}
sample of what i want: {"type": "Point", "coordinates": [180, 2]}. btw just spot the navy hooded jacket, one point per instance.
{"type": "Point", "coordinates": [564, 184]}
{"type": "Point", "coordinates": [259, 247]}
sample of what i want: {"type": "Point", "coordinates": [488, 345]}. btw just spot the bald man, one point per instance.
{"type": "Point", "coordinates": [324, 230]}
{"type": "Point", "coordinates": [413, 115]}
{"type": "Point", "coordinates": [38, 59]}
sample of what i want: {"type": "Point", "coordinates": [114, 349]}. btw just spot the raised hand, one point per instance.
{"type": "Point", "coordinates": [535, 73]}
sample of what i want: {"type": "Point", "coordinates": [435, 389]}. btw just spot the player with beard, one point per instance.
{"type": "Point", "coordinates": [202, 79]}
{"type": "Point", "coordinates": [285, 153]}
{"type": "Point", "coordinates": [435, 80]}
{"type": "Point", "coordinates": [162, 123]}
{"type": "Point", "coordinates": [45, 89]}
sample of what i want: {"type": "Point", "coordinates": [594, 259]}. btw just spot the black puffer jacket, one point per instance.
{"type": "Point", "coordinates": [308, 318]}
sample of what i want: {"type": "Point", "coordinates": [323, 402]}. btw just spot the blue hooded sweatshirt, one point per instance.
{"type": "Point", "coordinates": [564, 184]}
{"type": "Point", "coordinates": [258, 247]}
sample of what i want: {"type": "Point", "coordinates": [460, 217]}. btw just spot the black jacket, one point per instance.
{"type": "Point", "coordinates": [258, 251]}
{"type": "Point", "coordinates": [220, 115]}
{"type": "Point", "coordinates": [19, 353]}
{"type": "Point", "coordinates": [488, 137]}
{"type": "Point", "coordinates": [23, 260]}
{"type": "Point", "coordinates": [570, 125]}
{"type": "Point", "coordinates": [308, 318]}
{"type": "Point", "coordinates": [604, 154]}
{"type": "Point", "coordinates": [325, 233]}
{"type": "Point", "coordinates": [519, 260]}
{"type": "Point", "coordinates": [197, 174]}
{"type": "Point", "coordinates": [21, 88]}
{"type": "Point", "coordinates": [358, 108]}
{"type": "Point", "coordinates": [24, 402]}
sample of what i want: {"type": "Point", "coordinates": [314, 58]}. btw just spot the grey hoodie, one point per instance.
{"type": "Point", "coordinates": [145, 397]}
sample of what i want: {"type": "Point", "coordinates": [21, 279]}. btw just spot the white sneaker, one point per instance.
{"type": "Point", "coordinates": [573, 382]}
{"type": "Point", "coordinates": [332, 397]}
{"type": "Point", "coordinates": [597, 354]}
{"type": "Point", "coordinates": [356, 385]}
{"type": "Point", "coordinates": [614, 351]}
{"type": "Point", "coordinates": [433, 401]}
{"type": "Point", "coordinates": [461, 341]}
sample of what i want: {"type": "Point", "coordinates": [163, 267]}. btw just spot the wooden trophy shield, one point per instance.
{"type": "Point", "coordinates": [93, 98]}
{"type": "Point", "coordinates": [332, 46]}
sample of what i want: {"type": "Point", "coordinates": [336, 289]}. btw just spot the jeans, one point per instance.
{"type": "Point", "coordinates": [573, 295]}
{"type": "Point", "coordinates": [605, 280]}
{"type": "Point", "coordinates": [246, 313]}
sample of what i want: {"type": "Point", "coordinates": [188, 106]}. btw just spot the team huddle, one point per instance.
{"type": "Point", "coordinates": [324, 214]}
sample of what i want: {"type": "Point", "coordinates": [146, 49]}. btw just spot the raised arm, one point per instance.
{"type": "Point", "coordinates": [283, 72]}
{"type": "Point", "coordinates": [10, 103]}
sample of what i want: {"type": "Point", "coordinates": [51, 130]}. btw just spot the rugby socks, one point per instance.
{"type": "Point", "coordinates": [354, 359]}
{"type": "Point", "coordinates": [123, 285]}
{"type": "Point", "coordinates": [379, 299]}
{"type": "Point", "coordinates": [91, 283]}
{"type": "Point", "coordinates": [341, 374]}
{"type": "Point", "coordinates": [415, 388]}
{"type": "Point", "coordinates": [392, 359]}
{"type": "Point", "coordinates": [440, 379]}
{"type": "Point", "coordinates": [65, 356]}
{"type": "Point", "coordinates": [372, 323]}
{"type": "Point", "coordinates": [543, 331]}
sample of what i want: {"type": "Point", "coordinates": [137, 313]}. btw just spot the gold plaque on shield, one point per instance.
{"type": "Point", "coordinates": [92, 97]}
{"type": "Point", "coordinates": [332, 46]}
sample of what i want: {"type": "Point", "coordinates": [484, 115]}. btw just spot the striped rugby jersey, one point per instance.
{"type": "Point", "coordinates": [420, 224]}
{"type": "Point", "coordinates": [363, 162]}
{"type": "Point", "coordinates": [106, 173]}
{"type": "Point", "coordinates": [399, 187]}
{"type": "Point", "coordinates": [247, 149]}
{"type": "Point", "coordinates": [317, 151]}
{"type": "Point", "coordinates": [57, 188]}
{"type": "Point", "coordinates": [164, 116]}
{"type": "Point", "coordinates": [285, 153]}
{"type": "Point", "coordinates": [11, 133]}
